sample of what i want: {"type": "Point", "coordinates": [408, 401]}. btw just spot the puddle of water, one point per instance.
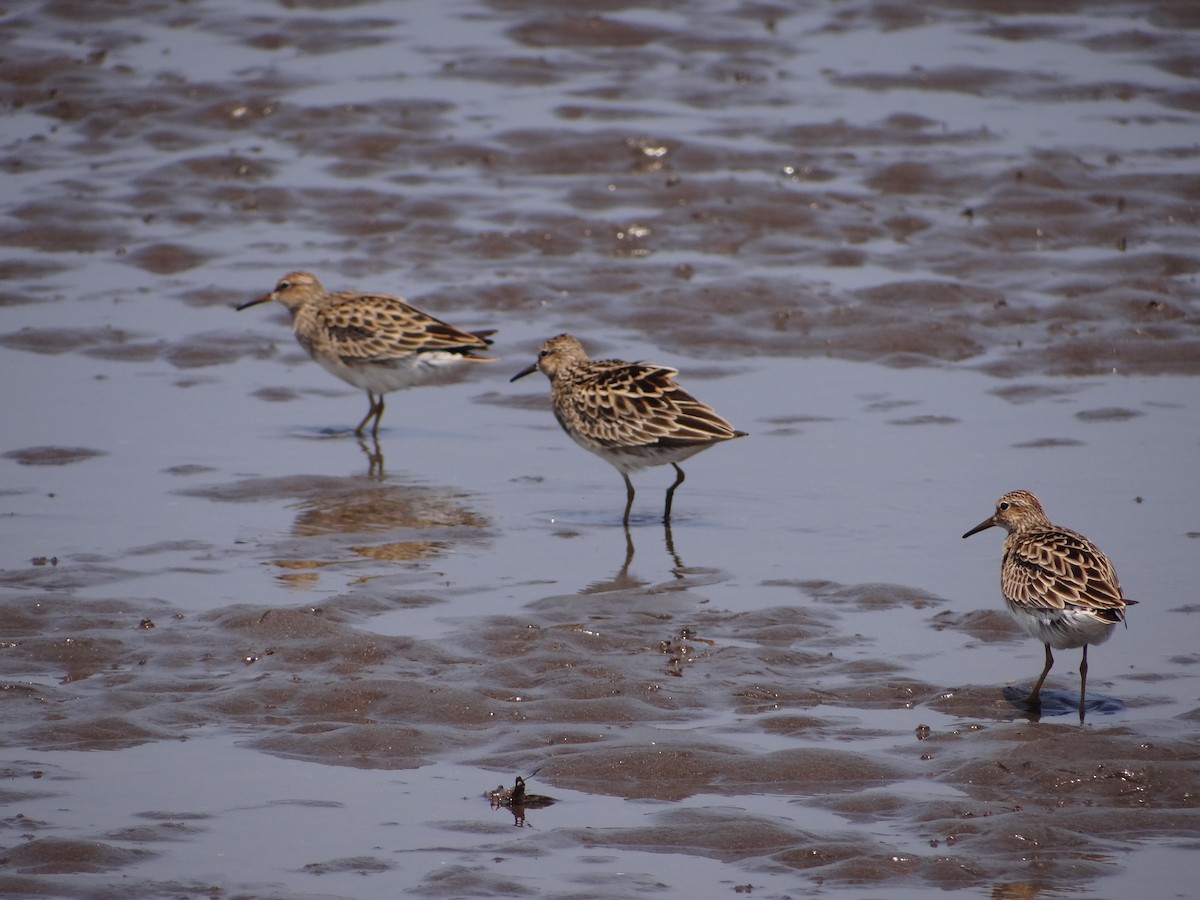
{"type": "Point", "coordinates": [801, 686]}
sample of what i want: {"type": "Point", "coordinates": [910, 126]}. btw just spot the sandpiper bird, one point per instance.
{"type": "Point", "coordinates": [1058, 586]}
{"type": "Point", "coordinates": [630, 414]}
{"type": "Point", "coordinates": [373, 341]}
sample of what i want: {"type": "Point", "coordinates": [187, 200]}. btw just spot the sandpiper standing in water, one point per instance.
{"type": "Point", "coordinates": [375, 342]}
{"type": "Point", "coordinates": [1058, 586]}
{"type": "Point", "coordinates": [630, 414]}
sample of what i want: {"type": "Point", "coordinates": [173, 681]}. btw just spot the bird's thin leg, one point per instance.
{"type": "Point", "coordinates": [671, 492]}
{"type": "Point", "coordinates": [371, 411]}
{"type": "Point", "coordinates": [378, 416]}
{"type": "Point", "coordinates": [1035, 698]}
{"type": "Point", "coordinates": [1082, 682]}
{"type": "Point", "coordinates": [628, 498]}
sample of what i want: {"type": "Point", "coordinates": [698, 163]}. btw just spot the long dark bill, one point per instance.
{"type": "Point", "coordinates": [257, 300]}
{"type": "Point", "coordinates": [523, 373]}
{"type": "Point", "coordinates": [982, 526]}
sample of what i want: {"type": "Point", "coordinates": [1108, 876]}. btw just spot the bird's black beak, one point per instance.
{"type": "Point", "coordinates": [982, 526]}
{"type": "Point", "coordinates": [257, 300]}
{"type": "Point", "coordinates": [522, 373]}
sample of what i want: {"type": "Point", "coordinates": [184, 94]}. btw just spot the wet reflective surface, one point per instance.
{"type": "Point", "coordinates": [922, 258]}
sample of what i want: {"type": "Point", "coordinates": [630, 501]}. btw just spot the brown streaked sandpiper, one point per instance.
{"type": "Point", "coordinates": [631, 414]}
{"type": "Point", "coordinates": [1058, 586]}
{"type": "Point", "coordinates": [376, 342]}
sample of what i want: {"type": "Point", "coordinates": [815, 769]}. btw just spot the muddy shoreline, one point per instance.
{"type": "Point", "coordinates": [922, 260]}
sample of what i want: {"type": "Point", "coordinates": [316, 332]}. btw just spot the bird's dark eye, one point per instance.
{"type": "Point", "coordinates": [283, 285]}
{"type": "Point", "coordinates": [1003, 505]}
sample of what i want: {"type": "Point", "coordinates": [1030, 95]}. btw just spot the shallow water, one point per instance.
{"type": "Point", "coordinates": [921, 259]}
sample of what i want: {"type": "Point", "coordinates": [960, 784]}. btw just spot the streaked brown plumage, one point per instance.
{"type": "Point", "coordinates": [1058, 586]}
{"type": "Point", "coordinates": [376, 342]}
{"type": "Point", "coordinates": [631, 414]}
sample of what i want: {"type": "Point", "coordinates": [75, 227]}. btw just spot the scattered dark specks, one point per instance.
{"type": "Point", "coordinates": [166, 259]}
{"type": "Point", "coordinates": [189, 469]}
{"type": "Point", "coordinates": [1049, 442]}
{"type": "Point", "coordinates": [925, 420]}
{"type": "Point", "coordinates": [1108, 414]}
{"type": "Point", "coordinates": [887, 405]}
{"type": "Point", "coordinates": [275, 394]}
{"type": "Point", "coordinates": [1028, 393]}
{"type": "Point", "coordinates": [51, 456]}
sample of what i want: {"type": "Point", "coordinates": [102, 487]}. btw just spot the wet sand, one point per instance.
{"type": "Point", "coordinates": [921, 259]}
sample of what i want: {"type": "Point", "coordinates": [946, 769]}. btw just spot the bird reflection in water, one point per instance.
{"type": "Point", "coordinates": [517, 800]}
{"type": "Point", "coordinates": [347, 510]}
{"type": "Point", "coordinates": [623, 580]}
{"type": "Point", "coordinates": [682, 647]}
{"type": "Point", "coordinates": [350, 506]}
{"type": "Point", "coordinates": [374, 457]}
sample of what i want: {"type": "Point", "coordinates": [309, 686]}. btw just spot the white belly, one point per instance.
{"type": "Point", "coordinates": [393, 375]}
{"type": "Point", "coordinates": [634, 459]}
{"type": "Point", "coordinates": [1062, 629]}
